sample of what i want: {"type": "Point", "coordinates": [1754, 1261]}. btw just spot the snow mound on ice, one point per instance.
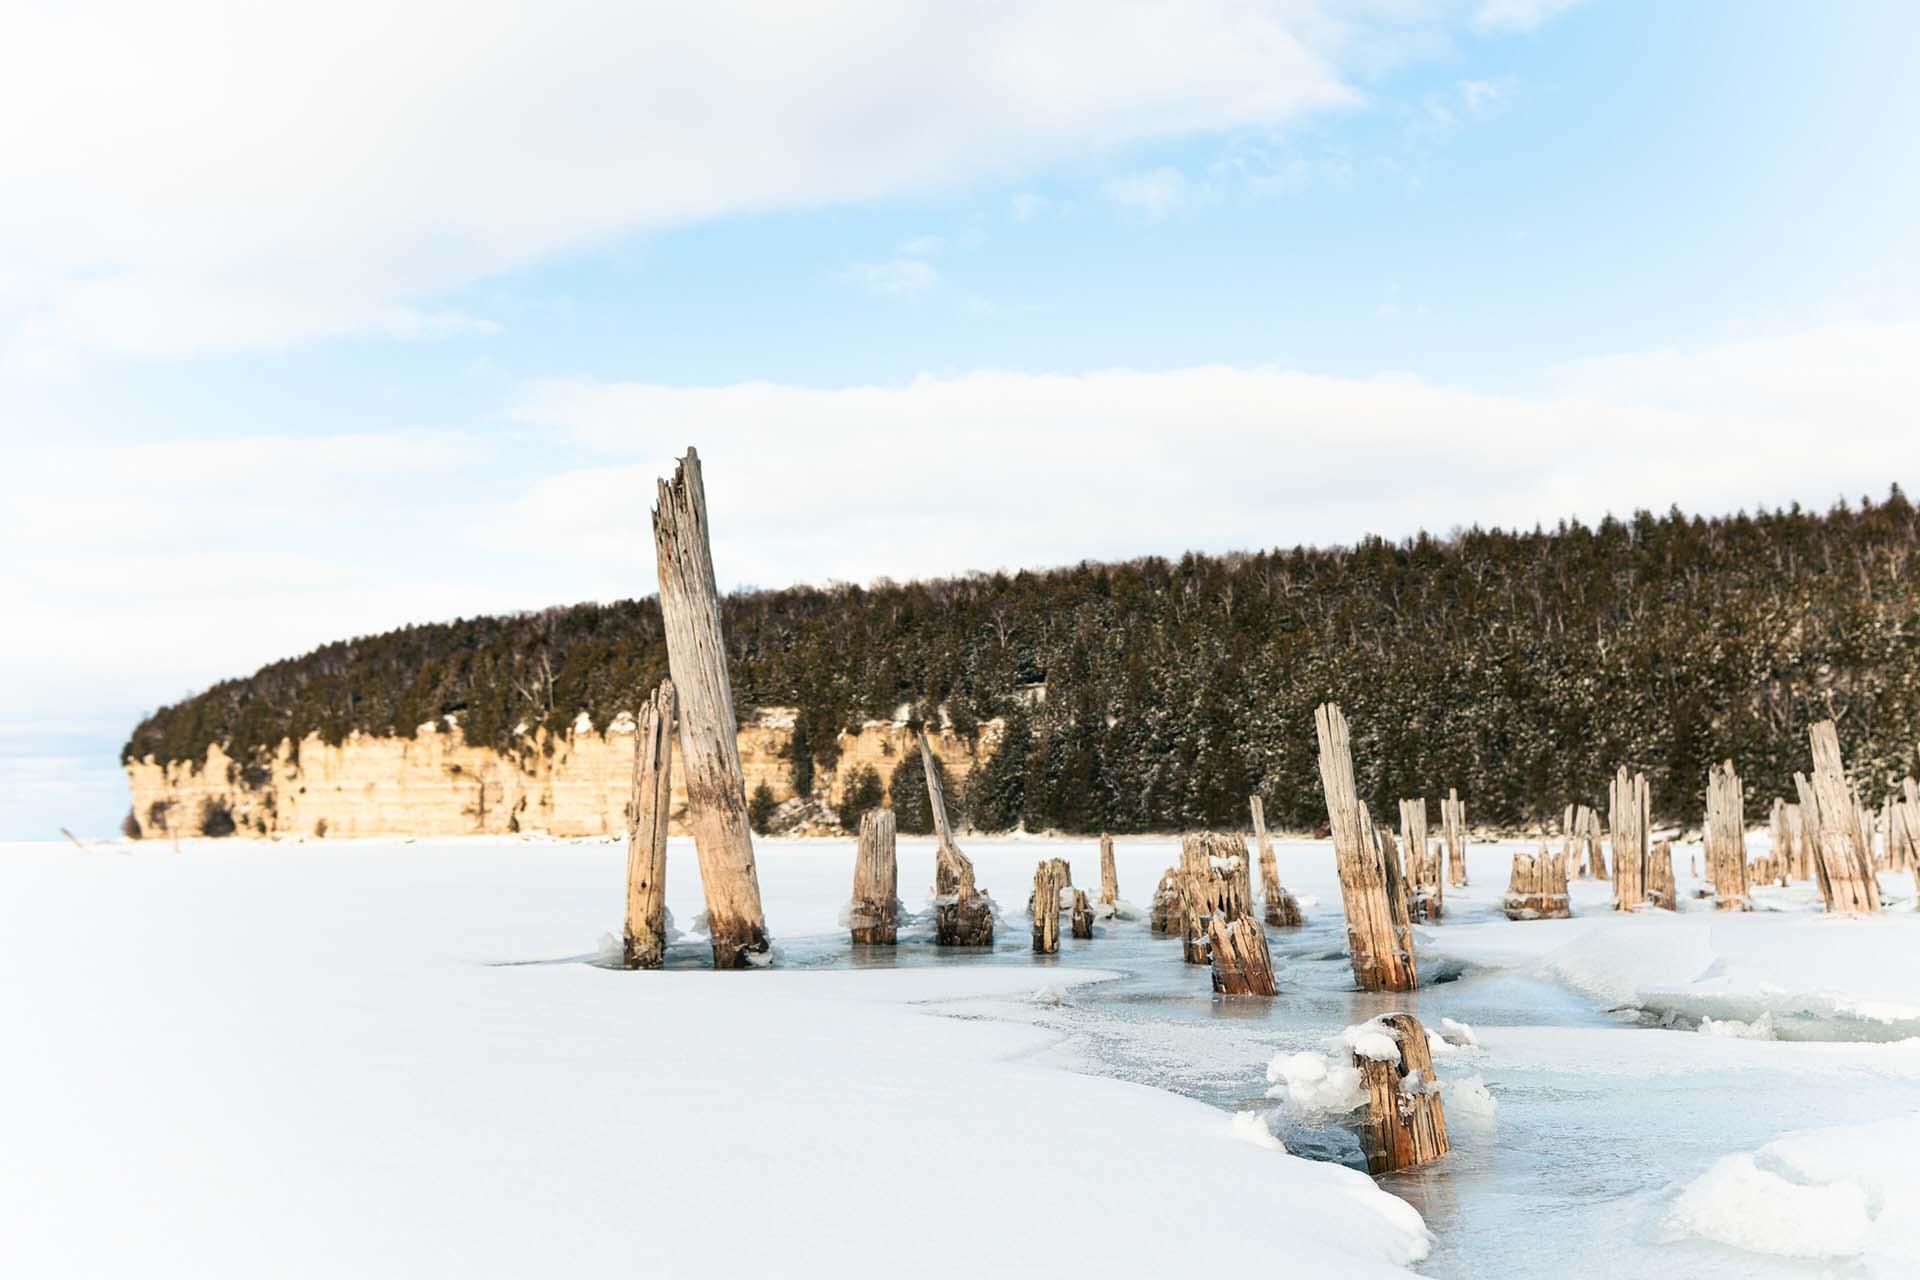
{"type": "Point", "coordinates": [1253, 1126]}
{"type": "Point", "coordinates": [1844, 1192]}
{"type": "Point", "coordinates": [1738, 1203]}
{"type": "Point", "coordinates": [1467, 1098]}
{"type": "Point", "coordinates": [1458, 1034]}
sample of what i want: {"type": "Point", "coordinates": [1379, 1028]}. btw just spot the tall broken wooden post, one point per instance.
{"type": "Point", "coordinates": [1726, 836]}
{"type": "Point", "coordinates": [1379, 934]}
{"type": "Point", "coordinates": [646, 936]}
{"type": "Point", "coordinates": [1109, 875]}
{"type": "Point", "coordinates": [875, 913]}
{"type": "Point", "coordinates": [1405, 1124]}
{"type": "Point", "coordinates": [709, 749]}
{"type": "Point", "coordinates": [1453, 828]}
{"type": "Point", "coordinates": [1629, 826]}
{"type": "Point", "coordinates": [1283, 909]}
{"type": "Point", "coordinates": [1841, 852]}
{"type": "Point", "coordinates": [962, 915]}
{"type": "Point", "coordinates": [1660, 887]}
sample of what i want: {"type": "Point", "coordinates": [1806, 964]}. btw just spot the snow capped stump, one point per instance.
{"type": "Point", "coordinates": [1453, 829]}
{"type": "Point", "coordinates": [1405, 1124]}
{"type": "Point", "coordinates": [1379, 927]}
{"type": "Point", "coordinates": [874, 914]}
{"type": "Point", "coordinates": [1726, 838]}
{"type": "Point", "coordinates": [1082, 915]}
{"type": "Point", "coordinates": [1283, 909]}
{"type": "Point", "coordinates": [645, 945]}
{"type": "Point", "coordinates": [962, 915]}
{"type": "Point", "coordinates": [1109, 876]}
{"type": "Point", "coordinates": [1241, 963]}
{"type": "Point", "coordinates": [1537, 889]}
{"type": "Point", "coordinates": [1049, 878]}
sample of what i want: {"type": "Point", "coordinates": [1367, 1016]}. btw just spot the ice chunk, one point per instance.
{"type": "Point", "coordinates": [1253, 1126]}
{"type": "Point", "coordinates": [1761, 1028]}
{"type": "Point", "coordinates": [1315, 1086]}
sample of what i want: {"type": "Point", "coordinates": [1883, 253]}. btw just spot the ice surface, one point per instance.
{"type": "Point", "coordinates": [373, 1059]}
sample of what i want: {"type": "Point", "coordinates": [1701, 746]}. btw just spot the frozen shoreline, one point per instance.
{"type": "Point", "coordinates": [395, 1059]}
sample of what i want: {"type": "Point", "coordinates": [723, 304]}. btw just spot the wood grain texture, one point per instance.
{"type": "Point", "coordinates": [1405, 1124]}
{"type": "Point", "coordinates": [1726, 838]}
{"type": "Point", "coordinates": [645, 945]}
{"type": "Point", "coordinates": [873, 916]}
{"type": "Point", "coordinates": [1379, 930]}
{"type": "Point", "coordinates": [709, 750]}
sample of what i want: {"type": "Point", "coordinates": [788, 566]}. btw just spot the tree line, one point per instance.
{"type": "Point", "coordinates": [1520, 667]}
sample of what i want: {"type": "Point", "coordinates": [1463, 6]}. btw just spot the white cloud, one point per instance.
{"type": "Point", "coordinates": [222, 175]}
{"type": "Point", "coordinates": [1155, 192]}
{"type": "Point", "coordinates": [994, 470]}
{"type": "Point", "coordinates": [1028, 205]}
{"type": "Point", "coordinates": [900, 276]}
{"type": "Point", "coordinates": [1518, 15]}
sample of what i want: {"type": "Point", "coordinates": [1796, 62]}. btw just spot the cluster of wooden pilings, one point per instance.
{"type": "Point", "coordinates": [1537, 889]}
{"type": "Point", "coordinates": [1207, 902]}
{"type": "Point", "coordinates": [697, 703]}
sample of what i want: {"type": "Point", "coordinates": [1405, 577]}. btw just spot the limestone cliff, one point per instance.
{"type": "Point", "coordinates": [436, 784]}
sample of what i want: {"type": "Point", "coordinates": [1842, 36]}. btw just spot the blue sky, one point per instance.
{"type": "Point", "coordinates": [344, 320]}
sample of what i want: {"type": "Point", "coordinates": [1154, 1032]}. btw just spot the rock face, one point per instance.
{"type": "Point", "coordinates": [436, 784]}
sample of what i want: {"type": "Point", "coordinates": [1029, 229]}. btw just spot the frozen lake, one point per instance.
{"type": "Point", "coordinates": [386, 1057]}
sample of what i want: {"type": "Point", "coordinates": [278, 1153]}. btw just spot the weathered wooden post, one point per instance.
{"type": "Point", "coordinates": [1379, 933]}
{"type": "Point", "coordinates": [1843, 854]}
{"type": "Point", "coordinates": [1453, 828]}
{"type": "Point", "coordinates": [1782, 828]}
{"type": "Point", "coordinates": [1283, 909]}
{"type": "Point", "coordinates": [1405, 1124]}
{"type": "Point", "coordinates": [1109, 875]}
{"type": "Point", "coordinates": [1212, 882]}
{"type": "Point", "coordinates": [1726, 838]}
{"type": "Point", "coordinates": [1596, 856]}
{"type": "Point", "coordinates": [1163, 916]}
{"type": "Point", "coordinates": [962, 915]}
{"type": "Point", "coordinates": [646, 935]}
{"type": "Point", "coordinates": [709, 751]}
{"type": "Point", "coordinates": [1537, 888]}
{"type": "Point", "coordinates": [874, 916]}
{"type": "Point", "coordinates": [1660, 888]}
{"type": "Point", "coordinates": [1428, 887]}
{"type": "Point", "coordinates": [1082, 915]}
{"type": "Point", "coordinates": [1241, 963]}
{"type": "Point", "coordinates": [1048, 879]}
{"type": "Point", "coordinates": [1906, 816]}
{"type": "Point", "coordinates": [1630, 824]}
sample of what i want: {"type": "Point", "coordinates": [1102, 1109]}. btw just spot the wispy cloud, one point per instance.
{"type": "Point", "coordinates": [1518, 15]}
{"type": "Point", "coordinates": [1156, 192]}
{"type": "Point", "coordinates": [896, 277]}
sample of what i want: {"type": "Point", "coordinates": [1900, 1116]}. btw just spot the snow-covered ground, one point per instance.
{"type": "Point", "coordinates": [379, 1059]}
